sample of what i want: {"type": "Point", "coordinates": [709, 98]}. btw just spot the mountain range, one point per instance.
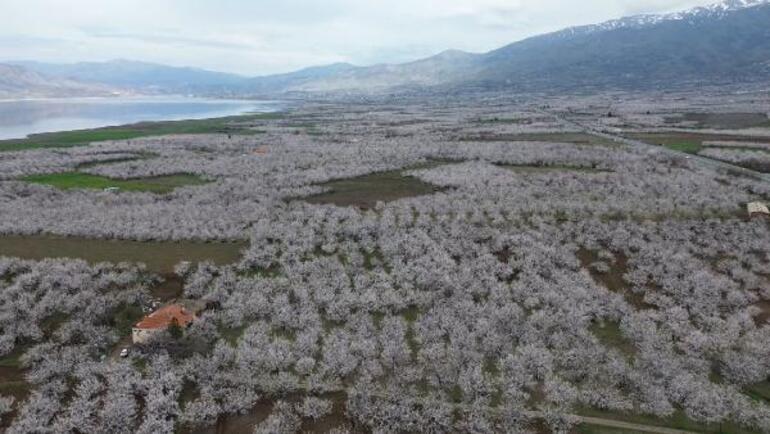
{"type": "Point", "coordinates": [20, 82]}
{"type": "Point", "coordinates": [727, 42]}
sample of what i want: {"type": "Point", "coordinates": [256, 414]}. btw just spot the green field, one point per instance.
{"type": "Point", "coordinates": [760, 391]}
{"type": "Point", "coordinates": [12, 382]}
{"type": "Point", "coordinates": [587, 428]}
{"type": "Point", "coordinates": [521, 168]}
{"type": "Point", "coordinates": [160, 257]}
{"type": "Point", "coordinates": [575, 138]}
{"type": "Point", "coordinates": [691, 143]}
{"type": "Point", "coordinates": [225, 125]}
{"type": "Point", "coordinates": [365, 191]}
{"type": "Point", "coordinates": [78, 180]}
{"type": "Point", "coordinates": [610, 335]}
{"type": "Point", "coordinates": [722, 120]}
{"type": "Point", "coordinates": [678, 420]}
{"type": "Point", "coordinates": [686, 147]}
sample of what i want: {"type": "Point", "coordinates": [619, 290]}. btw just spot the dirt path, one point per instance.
{"type": "Point", "coordinates": [114, 355]}
{"type": "Point", "coordinates": [630, 426]}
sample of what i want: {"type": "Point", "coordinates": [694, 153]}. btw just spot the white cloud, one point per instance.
{"type": "Point", "coordinates": [268, 36]}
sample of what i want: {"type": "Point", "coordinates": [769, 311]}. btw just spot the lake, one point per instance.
{"type": "Point", "coordinates": [20, 118]}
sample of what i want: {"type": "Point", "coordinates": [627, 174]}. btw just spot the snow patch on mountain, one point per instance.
{"type": "Point", "coordinates": [716, 10]}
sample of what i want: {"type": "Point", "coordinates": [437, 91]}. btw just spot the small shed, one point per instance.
{"type": "Point", "coordinates": [757, 209]}
{"type": "Point", "coordinates": [158, 321]}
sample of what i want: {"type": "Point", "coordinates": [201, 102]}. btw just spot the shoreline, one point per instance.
{"type": "Point", "coordinates": [84, 123]}
{"type": "Point", "coordinates": [224, 124]}
{"type": "Point", "coordinates": [130, 97]}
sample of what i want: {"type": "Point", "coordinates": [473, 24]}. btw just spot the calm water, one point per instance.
{"type": "Point", "coordinates": [18, 119]}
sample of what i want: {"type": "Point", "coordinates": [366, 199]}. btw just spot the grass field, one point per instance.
{"type": "Point", "coordinates": [686, 147]}
{"type": "Point", "coordinates": [610, 335]}
{"type": "Point", "coordinates": [139, 156]}
{"type": "Point", "coordinates": [760, 391]}
{"type": "Point", "coordinates": [691, 143]}
{"type": "Point", "coordinates": [78, 180]}
{"type": "Point", "coordinates": [576, 138]}
{"type": "Point", "coordinates": [225, 125]}
{"type": "Point", "coordinates": [12, 382]}
{"type": "Point", "coordinates": [555, 168]}
{"type": "Point", "coordinates": [678, 420]}
{"type": "Point", "coordinates": [510, 121]}
{"type": "Point", "coordinates": [723, 120]}
{"type": "Point", "coordinates": [365, 191]}
{"type": "Point", "coordinates": [587, 428]}
{"type": "Point", "coordinates": [160, 257]}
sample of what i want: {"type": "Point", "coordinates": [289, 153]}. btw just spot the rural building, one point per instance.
{"type": "Point", "coordinates": [757, 209]}
{"type": "Point", "coordinates": [160, 320]}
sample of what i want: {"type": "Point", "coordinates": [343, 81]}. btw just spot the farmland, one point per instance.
{"type": "Point", "coordinates": [75, 180]}
{"type": "Point", "coordinates": [475, 265]}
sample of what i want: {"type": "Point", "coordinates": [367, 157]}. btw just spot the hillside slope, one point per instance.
{"type": "Point", "coordinates": [141, 76]}
{"type": "Point", "coordinates": [723, 43]}
{"type": "Point", "coordinates": [714, 44]}
{"type": "Point", "coordinates": [19, 82]}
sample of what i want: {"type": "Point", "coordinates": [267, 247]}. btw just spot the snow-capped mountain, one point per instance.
{"type": "Point", "coordinates": [726, 42]}
{"type": "Point", "coordinates": [721, 43]}
{"type": "Point", "coordinates": [713, 11]}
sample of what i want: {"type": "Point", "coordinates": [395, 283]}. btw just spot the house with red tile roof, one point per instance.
{"type": "Point", "coordinates": [757, 209]}
{"type": "Point", "coordinates": [158, 321]}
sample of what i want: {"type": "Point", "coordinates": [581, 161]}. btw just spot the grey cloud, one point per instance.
{"type": "Point", "coordinates": [165, 39]}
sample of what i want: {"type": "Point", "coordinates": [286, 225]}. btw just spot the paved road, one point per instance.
{"type": "Point", "coordinates": [708, 162]}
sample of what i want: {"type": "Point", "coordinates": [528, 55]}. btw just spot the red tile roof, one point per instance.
{"type": "Point", "coordinates": [163, 317]}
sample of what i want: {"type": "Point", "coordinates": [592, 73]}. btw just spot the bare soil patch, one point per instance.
{"type": "Point", "coordinates": [722, 121]}
{"type": "Point", "coordinates": [365, 191]}
{"type": "Point", "coordinates": [160, 257]}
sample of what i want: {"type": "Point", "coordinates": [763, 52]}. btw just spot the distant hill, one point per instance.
{"type": "Point", "coordinates": [140, 76]}
{"type": "Point", "coordinates": [295, 80]}
{"type": "Point", "coordinates": [449, 66]}
{"type": "Point", "coordinates": [724, 43]}
{"type": "Point", "coordinates": [20, 82]}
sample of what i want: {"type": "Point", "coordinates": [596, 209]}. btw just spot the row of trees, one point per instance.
{"type": "Point", "coordinates": [758, 160]}
{"type": "Point", "coordinates": [249, 187]}
{"type": "Point", "coordinates": [760, 146]}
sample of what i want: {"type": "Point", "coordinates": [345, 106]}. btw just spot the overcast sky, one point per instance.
{"type": "Point", "coordinates": [256, 37]}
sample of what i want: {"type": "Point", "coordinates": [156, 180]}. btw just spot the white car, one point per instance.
{"type": "Point", "coordinates": [124, 352]}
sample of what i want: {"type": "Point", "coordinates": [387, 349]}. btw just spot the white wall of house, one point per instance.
{"type": "Point", "coordinates": [142, 336]}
